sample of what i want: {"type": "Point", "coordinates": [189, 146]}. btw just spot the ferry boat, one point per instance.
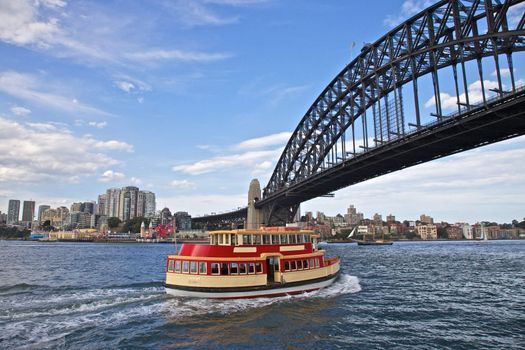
{"type": "Point", "coordinates": [250, 263]}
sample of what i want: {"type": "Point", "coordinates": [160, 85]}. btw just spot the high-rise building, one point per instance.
{"type": "Point", "coordinates": [41, 209]}
{"type": "Point", "coordinates": [426, 219]}
{"type": "Point", "coordinates": [149, 204]}
{"type": "Point", "coordinates": [13, 212]}
{"type": "Point", "coordinates": [113, 202]}
{"type": "Point", "coordinates": [128, 203]}
{"type": "Point", "coordinates": [77, 207]}
{"type": "Point", "coordinates": [101, 206]}
{"type": "Point", "coordinates": [88, 207]}
{"type": "Point", "coordinates": [28, 212]}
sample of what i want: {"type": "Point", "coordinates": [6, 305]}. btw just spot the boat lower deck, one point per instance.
{"type": "Point", "coordinates": [270, 289]}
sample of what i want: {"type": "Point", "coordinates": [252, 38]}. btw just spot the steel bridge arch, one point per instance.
{"type": "Point", "coordinates": [445, 34]}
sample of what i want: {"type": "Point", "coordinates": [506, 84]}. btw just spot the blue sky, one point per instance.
{"type": "Point", "coordinates": [192, 99]}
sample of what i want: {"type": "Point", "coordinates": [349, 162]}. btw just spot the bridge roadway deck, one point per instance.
{"type": "Point", "coordinates": [499, 120]}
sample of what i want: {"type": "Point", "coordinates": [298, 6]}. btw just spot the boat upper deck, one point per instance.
{"type": "Point", "coordinates": [254, 243]}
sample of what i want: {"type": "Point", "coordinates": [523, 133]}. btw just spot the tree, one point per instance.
{"type": "Point", "coordinates": [133, 225]}
{"type": "Point", "coordinates": [114, 222]}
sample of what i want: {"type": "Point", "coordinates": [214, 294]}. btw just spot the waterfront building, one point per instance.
{"type": "Point", "coordinates": [77, 207]}
{"type": "Point", "coordinates": [41, 209]}
{"type": "Point", "coordinates": [352, 217]}
{"type": "Point", "coordinates": [165, 216]}
{"type": "Point", "coordinates": [182, 221]}
{"type": "Point", "coordinates": [13, 212]}
{"type": "Point", "coordinates": [378, 220]}
{"type": "Point", "coordinates": [426, 219]}
{"type": "Point", "coordinates": [113, 202]}
{"type": "Point", "coordinates": [427, 232]}
{"type": "Point", "coordinates": [454, 232]}
{"type": "Point", "coordinates": [3, 218]}
{"type": "Point", "coordinates": [128, 203]}
{"type": "Point", "coordinates": [88, 207]}
{"type": "Point", "coordinates": [390, 218]}
{"type": "Point", "coordinates": [56, 217]}
{"type": "Point", "coordinates": [308, 216]}
{"type": "Point", "coordinates": [101, 206]}
{"type": "Point", "coordinates": [28, 213]}
{"type": "Point", "coordinates": [149, 204]}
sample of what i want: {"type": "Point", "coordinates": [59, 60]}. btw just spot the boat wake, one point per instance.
{"type": "Point", "coordinates": [46, 318]}
{"type": "Point", "coordinates": [177, 307]}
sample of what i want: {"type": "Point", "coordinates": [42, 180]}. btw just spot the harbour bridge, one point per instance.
{"type": "Point", "coordinates": [371, 120]}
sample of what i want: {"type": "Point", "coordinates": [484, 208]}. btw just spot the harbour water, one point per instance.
{"type": "Point", "coordinates": [424, 295]}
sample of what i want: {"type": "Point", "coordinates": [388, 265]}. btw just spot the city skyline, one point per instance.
{"type": "Point", "coordinates": [193, 100]}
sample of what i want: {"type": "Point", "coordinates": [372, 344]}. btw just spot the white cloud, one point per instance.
{"type": "Point", "coordinates": [98, 125]}
{"type": "Point", "coordinates": [195, 13]}
{"type": "Point", "coordinates": [29, 88]}
{"type": "Point", "coordinates": [183, 184]}
{"type": "Point", "coordinates": [125, 86]}
{"type": "Point", "coordinates": [176, 55]}
{"type": "Point", "coordinates": [223, 163]}
{"type": "Point", "coordinates": [408, 9]}
{"type": "Point", "coordinates": [111, 145]}
{"type": "Point", "coordinates": [265, 141]}
{"type": "Point", "coordinates": [111, 176]}
{"type": "Point", "coordinates": [20, 111]}
{"type": "Point", "coordinates": [20, 25]}
{"type": "Point", "coordinates": [474, 94]}
{"type": "Point", "coordinates": [48, 152]}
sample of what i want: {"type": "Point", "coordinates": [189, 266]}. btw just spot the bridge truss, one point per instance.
{"type": "Point", "coordinates": [361, 114]}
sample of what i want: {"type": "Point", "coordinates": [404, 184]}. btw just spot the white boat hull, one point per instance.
{"type": "Point", "coordinates": [271, 292]}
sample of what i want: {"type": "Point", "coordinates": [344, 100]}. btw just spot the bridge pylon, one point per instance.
{"type": "Point", "coordinates": [255, 217]}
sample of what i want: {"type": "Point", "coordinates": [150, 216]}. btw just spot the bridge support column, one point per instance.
{"type": "Point", "coordinates": [255, 216]}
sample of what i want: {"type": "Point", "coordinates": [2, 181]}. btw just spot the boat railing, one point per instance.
{"type": "Point", "coordinates": [331, 261]}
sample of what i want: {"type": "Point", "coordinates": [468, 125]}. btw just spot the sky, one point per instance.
{"type": "Point", "coordinates": [193, 99]}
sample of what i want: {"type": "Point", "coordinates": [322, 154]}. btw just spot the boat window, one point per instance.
{"type": "Point", "coordinates": [300, 239]}
{"type": "Point", "coordinates": [246, 239]}
{"type": "Point", "coordinates": [299, 265]}
{"type": "Point", "coordinates": [293, 239]}
{"type": "Point", "coordinates": [284, 239]}
{"type": "Point", "coordinates": [251, 268]}
{"type": "Point", "coordinates": [242, 269]}
{"type": "Point", "coordinates": [275, 239]}
{"type": "Point", "coordinates": [306, 239]}
{"type": "Point", "coordinates": [202, 268]}
{"type": "Point", "coordinates": [220, 239]}
{"type": "Point", "coordinates": [193, 267]}
{"type": "Point", "coordinates": [258, 267]}
{"type": "Point", "coordinates": [214, 268]}
{"type": "Point", "coordinates": [234, 268]}
{"type": "Point", "coordinates": [294, 265]}
{"type": "Point", "coordinates": [312, 263]}
{"type": "Point", "coordinates": [177, 266]}
{"type": "Point", "coordinates": [305, 264]}
{"type": "Point", "coordinates": [171, 265]}
{"type": "Point", "coordinates": [224, 268]}
{"type": "Point", "coordinates": [185, 266]}
{"type": "Point", "coordinates": [233, 239]}
{"type": "Point", "coordinates": [266, 239]}
{"type": "Point", "coordinates": [286, 266]}
{"type": "Point", "coordinates": [316, 262]}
